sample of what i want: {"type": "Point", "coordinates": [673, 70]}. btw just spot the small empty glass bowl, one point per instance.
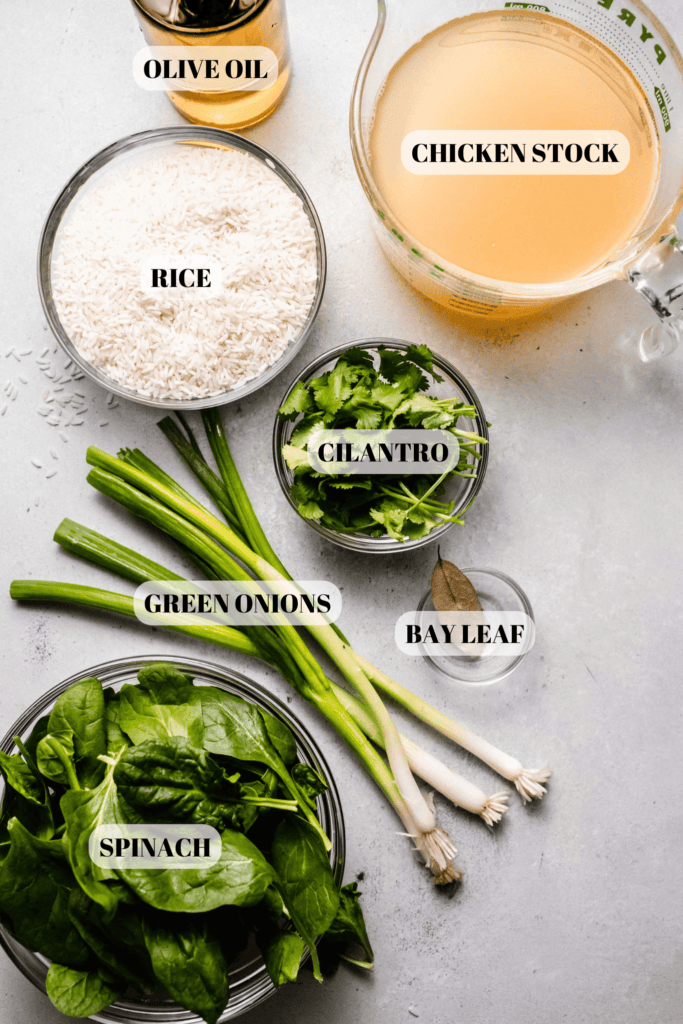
{"type": "Point", "coordinates": [131, 148]}
{"type": "Point", "coordinates": [249, 981]}
{"type": "Point", "coordinates": [459, 489]}
{"type": "Point", "coordinates": [496, 593]}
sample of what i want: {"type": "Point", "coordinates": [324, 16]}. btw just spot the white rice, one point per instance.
{"type": "Point", "coordinates": [224, 204]}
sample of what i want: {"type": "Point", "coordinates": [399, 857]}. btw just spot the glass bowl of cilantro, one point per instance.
{"type": "Point", "coordinates": [384, 384]}
{"type": "Point", "coordinates": [119, 963]}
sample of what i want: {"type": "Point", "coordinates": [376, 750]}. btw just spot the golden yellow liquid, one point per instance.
{"type": "Point", "coordinates": [500, 71]}
{"type": "Point", "coordinates": [242, 108]}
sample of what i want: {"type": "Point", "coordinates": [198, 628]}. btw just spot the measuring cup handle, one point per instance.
{"type": "Point", "coordinates": [658, 276]}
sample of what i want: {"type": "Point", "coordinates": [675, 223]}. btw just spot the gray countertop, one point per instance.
{"type": "Point", "coordinates": [570, 910]}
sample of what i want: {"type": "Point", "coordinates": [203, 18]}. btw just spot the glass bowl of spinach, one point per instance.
{"type": "Point", "coordinates": [52, 911]}
{"type": "Point", "coordinates": [380, 383]}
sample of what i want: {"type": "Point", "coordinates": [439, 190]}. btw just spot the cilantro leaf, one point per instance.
{"type": "Point", "coordinates": [294, 457]}
{"type": "Point", "coordinates": [424, 357]}
{"type": "Point", "coordinates": [310, 510]}
{"type": "Point", "coordinates": [299, 401]}
{"type": "Point", "coordinates": [333, 388]}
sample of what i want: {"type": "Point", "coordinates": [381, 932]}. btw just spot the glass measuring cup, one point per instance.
{"type": "Point", "coordinates": [650, 259]}
{"type": "Point", "coordinates": [261, 23]}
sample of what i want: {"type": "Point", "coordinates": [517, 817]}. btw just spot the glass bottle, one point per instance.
{"type": "Point", "coordinates": [221, 23]}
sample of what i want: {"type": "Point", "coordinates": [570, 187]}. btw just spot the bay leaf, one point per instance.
{"type": "Point", "coordinates": [452, 592]}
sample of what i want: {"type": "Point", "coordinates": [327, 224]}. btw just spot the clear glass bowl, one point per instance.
{"type": "Point", "coordinates": [249, 980]}
{"type": "Point", "coordinates": [122, 151]}
{"type": "Point", "coordinates": [496, 593]}
{"type": "Point", "coordinates": [462, 491]}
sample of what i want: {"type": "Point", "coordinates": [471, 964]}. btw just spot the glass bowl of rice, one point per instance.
{"type": "Point", "coordinates": [173, 197]}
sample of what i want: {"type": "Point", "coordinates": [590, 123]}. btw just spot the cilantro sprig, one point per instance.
{"type": "Point", "coordinates": [358, 395]}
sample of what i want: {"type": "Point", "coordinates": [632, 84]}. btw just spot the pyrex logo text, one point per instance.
{"type": "Point", "coordinates": [629, 19]}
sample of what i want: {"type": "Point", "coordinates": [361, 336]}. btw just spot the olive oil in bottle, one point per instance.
{"type": "Point", "coordinates": [221, 23]}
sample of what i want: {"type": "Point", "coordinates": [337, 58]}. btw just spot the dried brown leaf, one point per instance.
{"type": "Point", "coordinates": [451, 589]}
{"type": "Point", "coordinates": [453, 592]}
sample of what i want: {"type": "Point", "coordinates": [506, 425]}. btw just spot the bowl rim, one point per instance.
{"type": "Point", "coordinates": [221, 139]}
{"type": "Point", "coordinates": [356, 541]}
{"type": "Point", "coordinates": [330, 810]}
{"type": "Point", "coordinates": [515, 663]}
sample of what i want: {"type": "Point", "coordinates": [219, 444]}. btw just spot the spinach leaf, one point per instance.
{"type": "Point", "coordinates": [79, 993]}
{"type": "Point", "coordinates": [141, 719]}
{"type": "Point", "coordinates": [19, 776]}
{"type": "Point", "coordinates": [20, 799]}
{"type": "Point", "coordinates": [83, 811]}
{"type": "Point", "coordinates": [112, 721]}
{"type": "Point", "coordinates": [348, 927]}
{"type": "Point", "coordinates": [240, 877]}
{"type": "Point", "coordinates": [281, 736]}
{"type": "Point", "coordinates": [165, 683]}
{"type": "Point", "coordinates": [80, 710]}
{"type": "Point", "coordinates": [170, 780]}
{"type": "Point", "coordinates": [189, 962]}
{"type": "Point", "coordinates": [40, 729]}
{"type": "Point", "coordinates": [306, 880]}
{"type": "Point", "coordinates": [35, 883]}
{"type": "Point", "coordinates": [256, 789]}
{"type": "Point", "coordinates": [234, 728]}
{"type": "Point", "coordinates": [282, 952]}
{"type": "Point", "coordinates": [117, 943]}
{"type": "Point", "coordinates": [308, 781]}
{"type": "Point", "coordinates": [55, 757]}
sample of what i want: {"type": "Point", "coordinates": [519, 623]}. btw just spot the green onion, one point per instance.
{"type": "Point", "coordinates": [239, 550]}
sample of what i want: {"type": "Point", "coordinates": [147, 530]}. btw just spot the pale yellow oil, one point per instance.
{"type": "Point", "coordinates": [242, 108]}
{"type": "Point", "coordinates": [499, 71]}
